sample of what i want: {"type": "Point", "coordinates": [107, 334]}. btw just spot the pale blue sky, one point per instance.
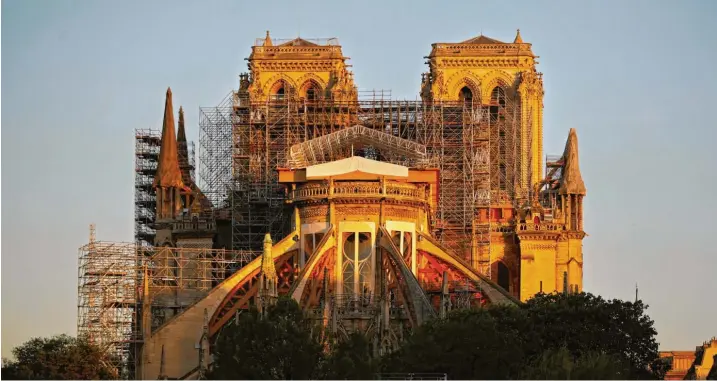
{"type": "Point", "coordinates": [636, 78]}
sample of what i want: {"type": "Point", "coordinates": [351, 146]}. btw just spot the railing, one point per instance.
{"type": "Point", "coordinates": [360, 189]}
{"type": "Point", "coordinates": [311, 191]}
{"type": "Point", "coordinates": [357, 188]}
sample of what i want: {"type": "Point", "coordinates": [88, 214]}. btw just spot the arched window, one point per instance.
{"type": "Point", "coordinates": [497, 102]}
{"type": "Point", "coordinates": [503, 276]}
{"type": "Point", "coordinates": [311, 94]}
{"type": "Point", "coordinates": [466, 94]}
{"type": "Point", "coordinates": [497, 97]}
{"type": "Point", "coordinates": [280, 92]}
{"type": "Point", "coordinates": [357, 265]}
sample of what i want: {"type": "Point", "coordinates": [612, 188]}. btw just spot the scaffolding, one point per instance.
{"type": "Point", "coordinates": [146, 156]}
{"type": "Point", "coordinates": [147, 143]}
{"type": "Point", "coordinates": [477, 146]}
{"type": "Point", "coordinates": [112, 277]}
{"type": "Point", "coordinates": [215, 154]}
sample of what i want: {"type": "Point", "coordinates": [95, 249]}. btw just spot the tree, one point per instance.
{"type": "Point", "coordinates": [487, 343]}
{"type": "Point", "coordinates": [278, 346]}
{"type": "Point", "coordinates": [584, 323]}
{"type": "Point", "coordinates": [58, 358]}
{"type": "Point", "coordinates": [350, 359]}
{"type": "Point", "coordinates": [561, 365]}
{"type": "Point", "coordinates": [584, 336]}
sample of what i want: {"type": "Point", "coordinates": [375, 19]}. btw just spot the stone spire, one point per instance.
{"type": "Point", "coordinates": [181, 136]}
{"type": "Point", "coordinates": [267, 40]}
{"type": "Point", "coordinates": [183, 151]}
{"type": "Point", "coordinates": [267, 279]}
{"type": "Point", "coordinates": [267, 261]}
{"type": "Point", "coordinates": [168, 173]}
{"type": "Point", "coordinates": [572, 180]}
{"type": "Point", "coordinates": [518, 39]}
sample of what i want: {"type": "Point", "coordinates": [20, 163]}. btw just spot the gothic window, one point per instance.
{"type": "Point", "coordinates": [501, 144]}
{"type": "Point", "coordinates": [357, 267]}
{"type": "Point", "coordinates": [311, 242]}
{"type": "Point", "coordinates": [497, 97]}
{"type": "Point", "coordinates": [403, 240]}
{"type": "Point", "coordinates": [497, 103]}
{"type": "Point", "coordinates": [280, 93]}
{"type": "Point", "coordinates": [311, 94]}
{"type": "Point", "coordinates": [503, 276]}
{"type": "Point", "coordinates": [466, 94]}
{"type": "Point", "coordinates": [502, 180]}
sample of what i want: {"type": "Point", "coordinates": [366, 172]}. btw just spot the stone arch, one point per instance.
{"type": "Point", "coordinates": [497, 78]}
{"type": "Point", "coordinates": [308, 81]}
{"type": "Point", "coordinates": [503, 275]}
{"type": "Point", "coordinates": [464, 78]}
{"type": "Point", "coordinates": [277, 81]}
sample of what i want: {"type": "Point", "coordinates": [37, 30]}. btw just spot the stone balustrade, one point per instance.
{"type": "Point", "coordinates": [364, 189]}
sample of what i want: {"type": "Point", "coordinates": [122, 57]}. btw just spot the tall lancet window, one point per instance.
{"type": "Point", "coordinates": [497, 103]}
{"type": "Point", "coordinates": [280, 93]}
{"type": "Point", "coordinates": [466, 95]}
{"type": "Point", "coordinates": [357, 266]}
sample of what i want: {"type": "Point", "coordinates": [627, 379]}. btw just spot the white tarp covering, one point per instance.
{"type": "Point", "coordinates": [355, 164]}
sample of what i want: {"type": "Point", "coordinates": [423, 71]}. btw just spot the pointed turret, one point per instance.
{"type": "Point", "coordinates": [181, 136]}
{"type": "Point", "coordinates": [518, 39]}
{"type": "Point", "coordinates": [183, 151]}
{"type": "Point", "coordinates": [267, 278]}
{"type": "Point", "coordinates": [168, 173]}
{"type": "Point", "coordinates": [267, 261]}
{"type": "Point", "coordinates": [572, 180]}
{"type": "Point", "coordinates": [267, 40]}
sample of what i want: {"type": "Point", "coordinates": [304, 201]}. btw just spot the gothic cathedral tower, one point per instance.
{"type": "Point", "coordinates": [534, 217]}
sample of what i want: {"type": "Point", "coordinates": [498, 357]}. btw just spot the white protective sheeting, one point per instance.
{"type": "Point", "coordinates": [355, 164]}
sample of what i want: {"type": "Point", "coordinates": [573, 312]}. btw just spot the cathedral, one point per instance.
{"type": "Point", "coordinates": [375, 215]}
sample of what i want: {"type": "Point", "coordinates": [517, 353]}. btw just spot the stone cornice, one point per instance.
{"type": "Point", "coordinates": [527, 249]}
{"type": "Point", "coordinates": [444, 49]}
{"type": "Point", "coordinates": [259, 50]}
{"type": "Point", "coordinates": [295, 65]}
{"type": "Point", "coordinates": [539, 236]}
{"type": "Point", "coordinates": [574, 234]}
{"type": "Point", "coordinates": [508, 62]}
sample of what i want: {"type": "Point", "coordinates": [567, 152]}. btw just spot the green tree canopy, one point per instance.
{"type": "Point", "coordinates": [559, 364]}
{"type": "Point", "coordinates": [550, 337]}
{"type": "Point", "coordinates": [58, 358]}
{"type": "Point", "coordinates": [278, 346]}
{"type": "Point", "coordinates": [350, 359]}
{"type": "Point", "coordinates": [581, 331]}
{"type": "Point", "coordinates": [584, 323]}
{"type": "Point", "coordinates": [486, 343]}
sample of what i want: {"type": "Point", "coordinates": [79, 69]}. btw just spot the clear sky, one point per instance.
{"type": "Point", "coordinates": [636, 78]}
